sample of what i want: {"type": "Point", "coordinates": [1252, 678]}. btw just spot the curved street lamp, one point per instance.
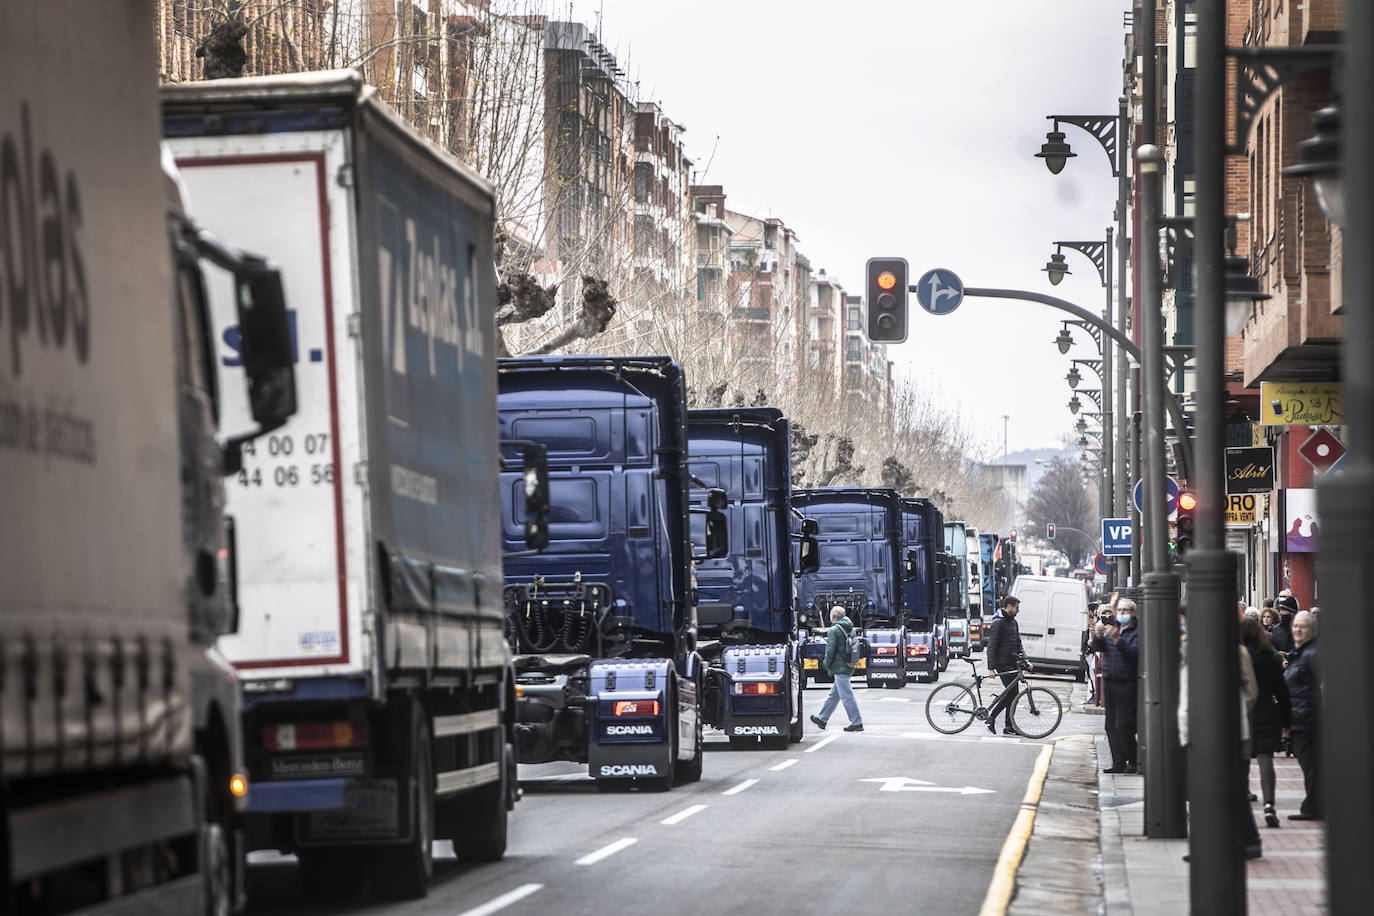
{"type": "Point", "coordinates": [1319, 158]}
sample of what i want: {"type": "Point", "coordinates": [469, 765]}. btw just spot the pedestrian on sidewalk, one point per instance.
{"type": "Point", "coordinates": [841, 691]}
{"type": "Point", "coordinates": [1006, 655]}
{"type": "Point", "coordinates": [1282, 635]}
{"type": "Point", "coordinates": [1271, 712]}
{"type": "Point", "coordinates": [1118, 642]}
{"type": "Point", "coordinates": [1304, 687]}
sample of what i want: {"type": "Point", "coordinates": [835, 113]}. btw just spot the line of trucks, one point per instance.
{"type": "Point", "coordinates": [292, 561]}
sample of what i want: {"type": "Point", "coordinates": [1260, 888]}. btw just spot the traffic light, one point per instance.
{"type": "Point", "coordinates": [887, 299]}
{"type": "Point", "coordinates": [1187, 509]}
{"type": "Point", "coordinates": [1049, 530]}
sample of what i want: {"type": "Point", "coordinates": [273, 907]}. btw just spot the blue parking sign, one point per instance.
{"type": "Point", "coordinates": [1116, 537]}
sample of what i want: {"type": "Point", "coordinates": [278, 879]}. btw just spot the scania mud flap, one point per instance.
{"type": "Point", "coordinates": [630, 719]}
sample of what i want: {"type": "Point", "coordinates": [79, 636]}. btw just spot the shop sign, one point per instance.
{"type": "Point", "coordinates": [1249, 470]}
{"type": "Point", "coordinates": [1301, 404]}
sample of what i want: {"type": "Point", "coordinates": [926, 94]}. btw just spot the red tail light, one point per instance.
{"type": "Point", "coordinates": [308, 736]}
{"type": "Point", "coordinates": [636, 708]}
{"type": "Point", "coordinates": [913, 651]}
{"type": "Point", "coordinates": [884, 650]}
{"type": "Point", "coordinates": [756, 688]}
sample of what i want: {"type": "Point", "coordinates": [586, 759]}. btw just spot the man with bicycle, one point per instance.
{"type": "Point", "coordinates": [1005, 656]}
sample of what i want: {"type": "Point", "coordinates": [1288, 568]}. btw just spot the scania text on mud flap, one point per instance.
{"type": "Point", "coordinates": [602, 620]}
{"type": "Point", "coordinates": [746, 620]}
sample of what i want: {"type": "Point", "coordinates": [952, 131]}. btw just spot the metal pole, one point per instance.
{"type": "Point", "coordinates": [1148, 160]}
{"type": "Point", "coordinates": [1108, 503]}
{"type": "Point", "coordinates": [1216, 866]}
{"type": "Point", "coordinates": [1346, 503]}
{"type": "Point", "coordinates": [1123, 414]}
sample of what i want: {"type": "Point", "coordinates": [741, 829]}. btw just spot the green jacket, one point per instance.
{"type": "Point", "coordinates": [834, 646]}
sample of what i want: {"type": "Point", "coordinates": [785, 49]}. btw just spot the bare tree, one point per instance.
{"type": "Point", "coordinates": [1060, 497]}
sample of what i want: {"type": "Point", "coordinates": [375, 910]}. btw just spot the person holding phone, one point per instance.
{"type": "Point", "coordinates": [1115, 635]}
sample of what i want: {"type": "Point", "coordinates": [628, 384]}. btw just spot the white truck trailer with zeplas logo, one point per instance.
{"type": "Point", "coordinates": [377, 679]}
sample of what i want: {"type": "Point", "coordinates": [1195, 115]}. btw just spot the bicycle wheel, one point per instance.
{"type": "Point", "coordinates": [949, 709]}
{"type": "Point", "coordinates": [1037, 712]}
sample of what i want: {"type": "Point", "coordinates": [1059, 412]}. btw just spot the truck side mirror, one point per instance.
{"type": "Point", "coordinates": [717, 533]}
{"type": "Point", "coordinates": [909, 566]}
{"type": "Point", "coordinates": [230, 552]}
{"type": "Point", "coordinates": [808, 554]}
{"type": "Point", "coordinates": [810, 527]}
{"type": "Point", "coordinates": [717, 499]}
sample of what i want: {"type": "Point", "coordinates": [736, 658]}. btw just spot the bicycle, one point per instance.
{"type": "Point", "coordinates": [951, 708]}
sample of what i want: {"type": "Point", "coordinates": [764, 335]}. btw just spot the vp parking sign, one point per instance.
{"type": "Point", "coordinates": [1116, 537]}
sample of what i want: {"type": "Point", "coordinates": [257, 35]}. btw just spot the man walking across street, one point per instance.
{"type": "Point", "coordinates": [841, 691]}
{"type": "Point", "coordinates": [1005, 656]}
{"type": "Point", "coordinates": [1304, 689]}
{"type": "Point", "coordinates": [1118, 641]}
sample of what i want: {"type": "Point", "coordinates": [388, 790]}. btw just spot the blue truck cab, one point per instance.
{"type": "Point", "coordinates": [956, 546]}
{"type": "Point", "coordinates": [602, 621]}
{"type": "Point", "coordinates": [746, 608]}
{"type": "Point", "coordinates": [861, 568]}
{"type": "Point", "coordinates": [927, 652]}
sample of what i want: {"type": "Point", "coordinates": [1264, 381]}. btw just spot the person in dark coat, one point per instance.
{"type": "Point", "coordinates": [1271, 713]}
{"type": "Point", "coordinates": [1282, 634]}
{"type": "Point", "coordinates": [1119, 643]}
{"type": "Point", "coordinates": [1005, 655]}
{"type": "Point", "coordinates": [1304, 689]}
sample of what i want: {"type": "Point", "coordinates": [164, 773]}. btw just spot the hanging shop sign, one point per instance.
{"type": "Point", "coordinates": [1249, 470]}
{"type": "Point", "coordinates": [1301, 404]}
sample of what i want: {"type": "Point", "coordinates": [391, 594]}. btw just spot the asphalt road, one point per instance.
{"type": "Point", "coordinates": [895, 819]}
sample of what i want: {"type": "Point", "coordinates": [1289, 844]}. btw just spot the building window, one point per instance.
{"type": "Point", "coordinates": [852, 321]}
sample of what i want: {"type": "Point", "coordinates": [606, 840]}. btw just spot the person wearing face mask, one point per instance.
{"type": "Point", "coordinates": [1118, 641]}
{"type": "Point", "coordinates": [1304, 688]}
{"type": "Point", "coordinates": [1282, 634]}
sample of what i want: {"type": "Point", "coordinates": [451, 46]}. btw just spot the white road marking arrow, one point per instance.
{"type": "Point", "coordinates": [895, 700]}
{"type": "Point", "coordinates": [907, 784]}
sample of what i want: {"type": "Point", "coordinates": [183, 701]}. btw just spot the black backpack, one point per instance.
{"type": "Point", "coordinates": [853, 650]}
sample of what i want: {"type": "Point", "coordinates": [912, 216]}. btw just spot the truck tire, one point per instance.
{"type": "Point", "coordinates": [796, 729]}
{"type": "Point", "coordinates": [218, 867]}
{"type": "Point", "coordinates": [403, 872]}
{"type": "Point", "coordinates": [485, 816]}
{"type": "Point", "coordinates": [691, 770]}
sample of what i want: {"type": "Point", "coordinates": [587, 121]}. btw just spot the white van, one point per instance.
{"type": "Point", "coordinates": [1053, 616]}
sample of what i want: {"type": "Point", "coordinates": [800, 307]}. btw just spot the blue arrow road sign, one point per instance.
{"type": "Point", "coordinates": [1170, 487]}
{"type": "Point", "coordinates": [939, 291]}
{"type": "Point", "coordinates": [1116, 537]}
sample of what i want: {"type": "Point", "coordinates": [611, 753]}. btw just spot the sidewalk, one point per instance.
{"type": "Point", "coordinates": [1136, 876]}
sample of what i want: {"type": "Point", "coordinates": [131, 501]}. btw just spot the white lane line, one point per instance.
{"type": "Point", "coordinates": [820, 744]}
{"type": "Point", "coordinates": [683, 814]}
{"type": "Point", "coordinates": [784, 765]}
{"type": "Point", "coordinates": [740, 788]}
{"type": "Point", "coordinates": [505, 900]}
{"type": "Point", "coordinates": [609, 849]}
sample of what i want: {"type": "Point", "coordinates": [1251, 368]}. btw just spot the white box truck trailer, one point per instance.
{"type": "Point", "coordinates": [379, 697]}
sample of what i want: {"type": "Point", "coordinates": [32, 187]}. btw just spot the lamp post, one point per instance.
{"type": "Point", "coordinates": [1099, 253]}
{"type": "Point", "coordinates": [1216, 866]}
{"type": "Point", "coordinates": [1346, 501]}
{"type": "Point", "coordinates": [1112, 135]}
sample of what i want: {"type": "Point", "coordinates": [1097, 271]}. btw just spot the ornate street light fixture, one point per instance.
{"type": "Point", "coordinates": [1056, 268]}
{"type": "Point", "coordinates": [1064, 340]}
{"type": "Point", "coordinates": [1074, 404]}
{"type": "Point", "coordinates": [1319, 158]}
{"type": "Point", "coordinates": [1073, 378]}
{"type": "Point", "coordinates": [1055, 151]}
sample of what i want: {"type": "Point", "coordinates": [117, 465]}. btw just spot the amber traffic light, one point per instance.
{"type": "Point", "coordinates": [887, 299]}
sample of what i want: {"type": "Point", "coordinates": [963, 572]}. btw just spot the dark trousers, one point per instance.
{"type": "Point", "coordinates": [1007, 698]}
{"type": "Point", "coordinates": [1307, 748]}
{"type": "Point", "coordinates": [1120, 725]}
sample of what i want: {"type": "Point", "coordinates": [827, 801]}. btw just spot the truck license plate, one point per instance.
{"type": "Point", "coordinates": [370, 810]}
{"type": "Point", "coordinates": [810, 664]}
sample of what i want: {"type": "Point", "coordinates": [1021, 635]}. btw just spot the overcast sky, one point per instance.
{"type": "Point", "coordinates": [907, 128]}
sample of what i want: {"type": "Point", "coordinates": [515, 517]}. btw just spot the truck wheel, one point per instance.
{"type": "Point", "coordinates": [484, 816]}
{"type": "Point", "coordinates": [691, 770]}
{"type": "Point", "coordinates": [797, 728]}
{"type": "Point", "coordinates": [218, 867]}
{"type": "Point", "coordinates": [403, 872]}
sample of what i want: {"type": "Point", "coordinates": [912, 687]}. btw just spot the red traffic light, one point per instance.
{"type": "Point", "coordinates": [887, 279]}
{"type": "Point", "coordinates": [1187, 501]}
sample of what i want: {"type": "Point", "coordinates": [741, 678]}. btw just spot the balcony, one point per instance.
{"type": "Point", "coordinates": [750, 314]}
{"type": "Point", "coordinates": [711, 258]}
